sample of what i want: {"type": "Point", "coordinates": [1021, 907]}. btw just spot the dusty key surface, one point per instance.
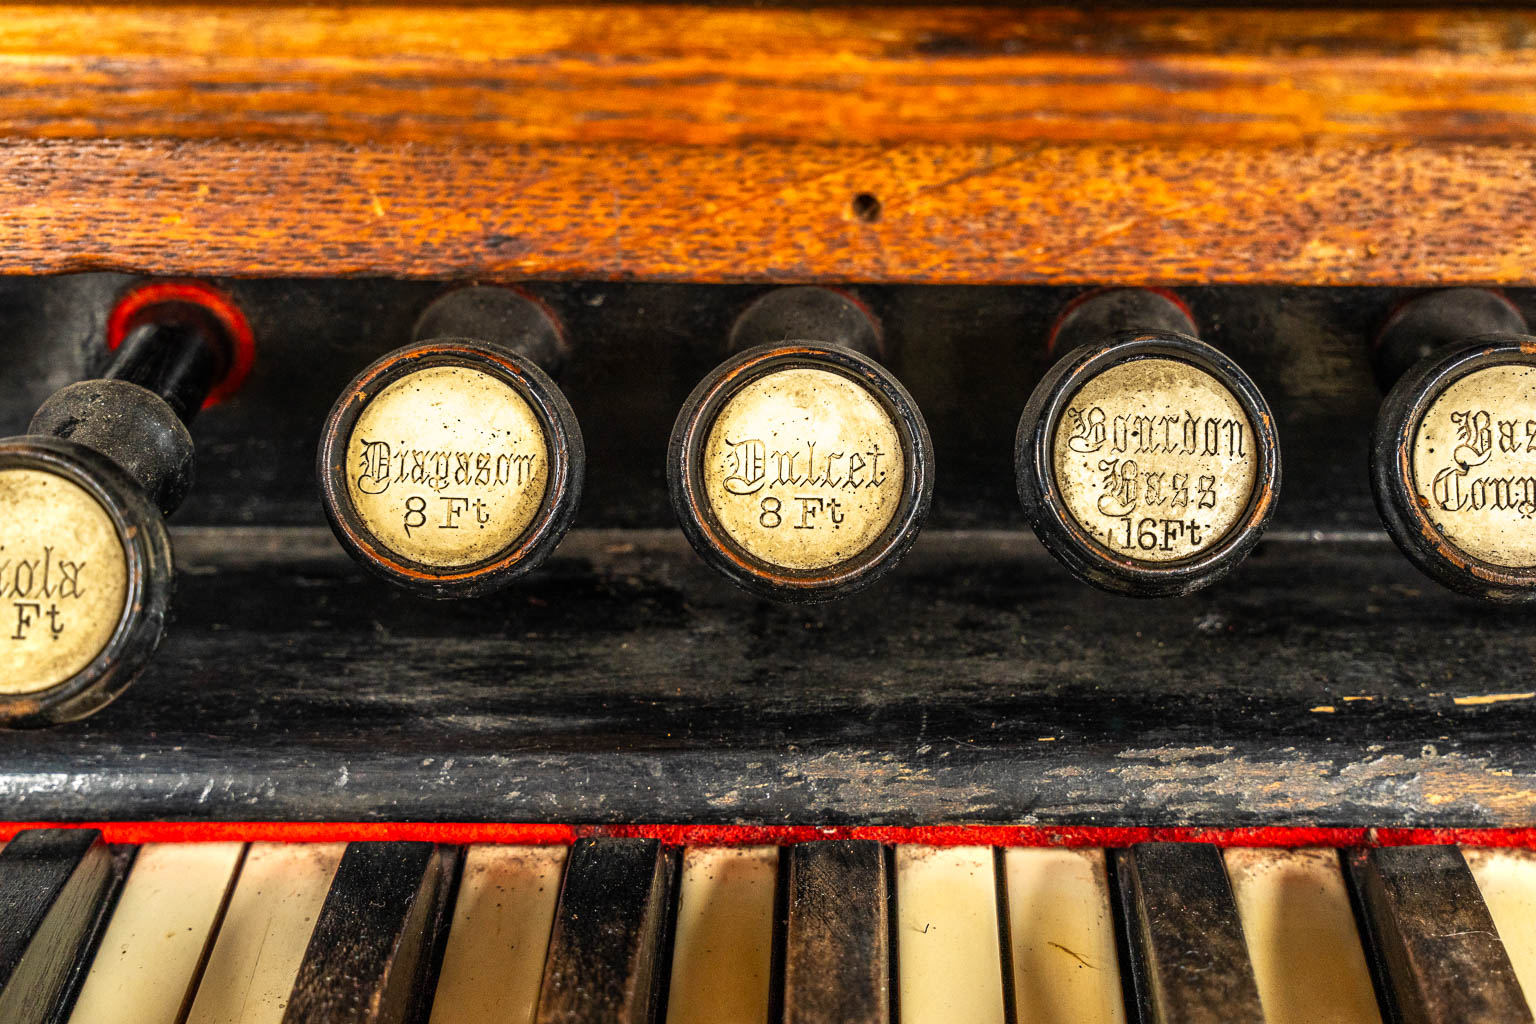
{"type": "Point", "coordinates": [152, 953]}
{"type": "Point", "coordinates": [1306, 951]}
{"type": "Point", "coordinates": [1066, 968]}
{"type": "Point", "coordinates": [266, 928]}
{"type": "Point", "coordinates": [494, 960]}
{"type": "Point", "coordinates": [1189, 953]}
{"type": "Point", "coordinates": [52, 883]}
{"type": "Point", "coordinates": [1427, 923]}
{"type": "Point", "coordinates": [605, 954]}
{"type": "Point", "coordinates": [722, 949]}
{"type": "Point", "coordinates": [1507, 880]}
{"type": "Point", "coordinates": [949, 960]}
{"type": "Point", "coordinates": [837, 940]}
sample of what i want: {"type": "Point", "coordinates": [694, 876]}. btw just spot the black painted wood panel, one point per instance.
{"type": "Point", "coordinates": [52, 883]}
{"type": "Point", "coordinates": [969, 355]}
{"type": "Point", "coordinates": [1326, 682]}
{"type": "Point", "coordinates": [837, 967]}
{"type": "Point", "coordinates": [1190, 954]}
{"type": "Point", "coordinates": [365, 960]}
{"type": "Point", "coordinates": [1439, 954]}
{"type": "Point", "coordinates": [607, 953]}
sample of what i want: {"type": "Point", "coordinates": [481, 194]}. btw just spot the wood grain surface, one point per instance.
{"type": "Point", "coordinates": [1030, 213]}
{"type": "Point", "coordinates": [680, 74]}
{"type": "Point", "coordinates": [963, 145]}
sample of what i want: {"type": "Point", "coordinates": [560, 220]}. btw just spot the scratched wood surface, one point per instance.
{"type": "Point", "coordinates": [958, 145]}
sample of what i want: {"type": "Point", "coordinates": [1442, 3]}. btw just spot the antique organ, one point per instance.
{"type": "Point", "coordinates": [846, 447]}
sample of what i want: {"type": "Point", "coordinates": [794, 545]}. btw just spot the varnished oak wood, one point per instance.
{"type": "Point", "coordinates": [1164, 213]}
{"type": "Point", "coordinates": [679, 74]}
{"type": "Point", "coordinates": [629, 141]}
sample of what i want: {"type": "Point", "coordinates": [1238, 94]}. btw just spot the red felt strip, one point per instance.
{"type": "Point", "coordinates": [773, 835]}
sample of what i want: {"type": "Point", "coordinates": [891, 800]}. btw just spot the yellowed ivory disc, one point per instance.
{"type": "Point", "coordinates": [803, 468]}
{"type": "Point", "coordinates": [448, 466]}
{"type": "Point", "coordinates": [1155, 459]}
{"type": "Point", "coordinates": [1474, 464]}
{"type": "Point", "coordinates": [63, 579]}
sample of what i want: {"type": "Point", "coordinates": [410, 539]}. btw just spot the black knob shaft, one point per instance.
{"type": "Point", "coordinates": [85, 559]}
{"type": "Point", "coordinates": [800, 467]}
{"type": "Point", "coordinates": [454, 465]}
{"type": "Point", "coordinates": [1453, 454]}
{"type": "Point", "coordinates": [1146, 459]}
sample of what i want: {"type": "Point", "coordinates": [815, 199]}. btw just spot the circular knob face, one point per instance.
{"type": "Point", "coordinates": [802, 471]}
{"type": "Point", "coordinates": [459, 444]}
{"type": "Point", "coordinates": [1159, 437]}
{"type": "Point", "coordinates": [451, 467]}
{"type": "Point", "coordinates": [85, 580]}
{"type": "Point", "coordinates": [64, 579]}
{"type": "Point", "coordinates": [1454, 467]}
{"type": "Point", "coordinates": [1148, 464]}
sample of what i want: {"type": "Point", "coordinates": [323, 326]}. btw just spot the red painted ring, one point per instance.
{"type": "Point", "coordinates": [130, 308]}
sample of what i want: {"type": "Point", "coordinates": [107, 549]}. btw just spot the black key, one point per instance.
{"type": "Point", "coordinates": [52, 883]}
{"type": "Point", "coordinates": [366, 957]}
{"type": "Point", "coordinates": [1188, 955]}
{"type": "Point", "coordinates": [1438, 955]}
{"type": "Point", "coordinates": [837, 938]}
{"type": "Point", "coordinates": [605, 953]}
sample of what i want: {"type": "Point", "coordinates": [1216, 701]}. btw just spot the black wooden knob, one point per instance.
{"type": "Point", "coordinates": [1146, 459]}
{"type": "Point", "coordinates": [454, 465]}
{"type": "Point", "coordinates": [85, 560]}
{"type": "Point", "coordinates": [800, 467]}
{"type": "Point", "coordinates": [1453, 455]}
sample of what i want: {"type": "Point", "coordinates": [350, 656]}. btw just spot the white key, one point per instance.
{"type": "Point", "coordinates": [266, 928]}
{"type": "Point", "coordinates": [494, 960]}
{"type": "Point", "coordinates": [1507, 879]}
{"type": "Point", "coordinates": [723, 951]}
{"type": "Point", "coordinates": [1306, 952]}
{"type": "Point", "coordinates": [147, 963]}
{"type": "Point", "coordinates": [1065, 964]}
{"type": "Point", "coordinates": [947, 943]}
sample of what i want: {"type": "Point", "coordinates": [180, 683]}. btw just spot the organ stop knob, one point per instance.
{"type": "Point", "coordinates": [454, 465]}
{"type": "Point", "coordinates": [1453, 454]}
{"type": "Point", "coordinates": [800, 467]}
{"type": "Point", "coordinates": [85, 559]}
{"type": "Point", "coordinates": [1146, 459]}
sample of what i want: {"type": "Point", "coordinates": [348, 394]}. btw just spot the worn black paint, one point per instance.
{"type": "Point", "coordinates": [626, 682]}
{"type": "Point", "coordinates": [1432, 938]}
{"type": "Point", "coordinates": [1187, 943]}
{"type": "Point", "coordinates": [837, 966]}
{"type": "Point", "coordinates": [366, 958]}
{"type": "Point", "coordinates": [52, 883]}
{"type": "Point", "coordinates": [607, 953]}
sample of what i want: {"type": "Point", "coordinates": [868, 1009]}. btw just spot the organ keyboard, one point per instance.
{"type": "Point", "coordinates": [829, 931]}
